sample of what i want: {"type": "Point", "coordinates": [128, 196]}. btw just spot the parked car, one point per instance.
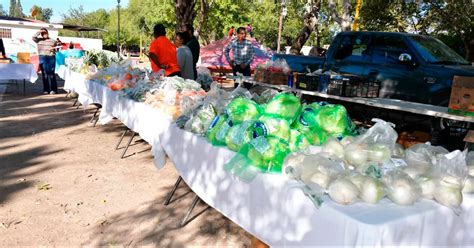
{"type": "Point", "coordinates": [409, 67]}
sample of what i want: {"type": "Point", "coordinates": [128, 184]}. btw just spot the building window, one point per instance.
{"type": "Point", "coordinates": [5, 33]}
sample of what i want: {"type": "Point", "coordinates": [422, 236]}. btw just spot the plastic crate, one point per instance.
{"type": "Point", "coordinates": [278, 78]}
{"type": "Point", "coordinates": [353, 86]}
{"type": "Point", "coordinates": [307, 82]}
{"type": "Point", "coordinates": [367, 89]}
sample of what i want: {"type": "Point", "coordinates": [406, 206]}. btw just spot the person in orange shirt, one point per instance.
{"type": "Point", "coordinates": [163, 53]}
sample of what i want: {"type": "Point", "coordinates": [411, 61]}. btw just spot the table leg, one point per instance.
{"type": "Point", "coordinates": [173, 190]}
{"type": "Point", "coordinates": [188, 213]}
{"type": "Point", "coordinates": [121, 138]}
{"type": "Point", "coordinates": [128, 144]}
{"type": "Point", "coordinates": [24, 87]}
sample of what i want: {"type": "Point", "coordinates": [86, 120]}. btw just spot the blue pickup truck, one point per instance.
{"type": "Point", "coordinates": [410, 67]}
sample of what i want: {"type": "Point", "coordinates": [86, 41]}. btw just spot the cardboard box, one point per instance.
{"type": "Point", "coordinates": [462, 96]}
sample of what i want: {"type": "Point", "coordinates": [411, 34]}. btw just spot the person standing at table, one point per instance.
{"type": "Point", "coordinates": [243, 52]}
{"type": "Point", "coordinates": [163, 53]}
{"type": "Point", "coordinates": [185, 56]}
{"type": "Point", "coordinates": [193, 44]}
{"type": "Point", "coordinates": [2, 49]}
{"type": "Point", "coordinates": [47, 60]}
{"type": "Point", "coordinates": [231, 32]}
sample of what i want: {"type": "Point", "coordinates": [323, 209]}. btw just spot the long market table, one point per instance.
{"type": "Point", "coordinates": [274, 208]}
{"type": "Point", "coordinates": [383, 103]}
{"type": "Point", "coordinates": [22, 72]}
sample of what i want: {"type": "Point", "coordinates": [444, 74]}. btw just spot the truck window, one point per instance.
{"type": "Point", "coordinates": [385, 49]}
{"type": "Point", "coordinates": [352, 48]}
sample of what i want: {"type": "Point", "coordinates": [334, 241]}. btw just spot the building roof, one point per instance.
{"type": "Point", "coordinates": [79, 27]}
{"type": "Point", "coordinates": [15, 21]}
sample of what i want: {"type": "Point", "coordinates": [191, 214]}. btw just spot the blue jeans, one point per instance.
{"type": "Point", "coordinates": [47, 65]}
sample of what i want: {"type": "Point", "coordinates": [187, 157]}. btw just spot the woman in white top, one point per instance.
{"type": "Point", "coordinates": [185, 57]}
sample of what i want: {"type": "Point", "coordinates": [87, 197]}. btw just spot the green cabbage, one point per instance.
{"type": "Point", "coordinates": [284, 105]}
{"type": "Point", "coordinates": [239, 135]}
{"type": "Point", "coordinates": [241, 109]}
{"type": "Point", "coordinates": [298, 141]}
{"type": "Point", "coordinates": [218, 129]}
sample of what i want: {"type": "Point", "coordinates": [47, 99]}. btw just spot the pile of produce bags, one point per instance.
{"type": "Point", "coordinates": [264, 134]}
{"type": "Point", "coordinates": [372, 166]}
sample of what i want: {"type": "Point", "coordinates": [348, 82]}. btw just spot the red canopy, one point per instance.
{"type": "Point", "coordinates": [213, 57]}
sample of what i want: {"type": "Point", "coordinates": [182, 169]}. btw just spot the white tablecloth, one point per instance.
{"type": "Point", "coordinates": [18, 72]}
{"type": "Point", "coordinates": [273, 209]}
{"type": "Point", "coordinates": [148, 122]}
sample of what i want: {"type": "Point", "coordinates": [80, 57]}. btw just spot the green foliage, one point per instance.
{"type": "Point", "coordinates": [2, 11]}
{"type": "Point", "coordinates": [44, 14]}
{"type": "Point", "coordinates": [16, 10]}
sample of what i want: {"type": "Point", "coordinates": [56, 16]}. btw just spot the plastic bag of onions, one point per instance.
{"type": "Point", "coordinates": [401, 188]}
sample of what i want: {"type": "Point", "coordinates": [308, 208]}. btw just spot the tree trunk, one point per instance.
{"type": "Point", "coordinates": [344, 19]}
{"type": "Point", "coordinates": [469, 48]}
{"type": "Point", "coordinates": [202, 17]}
{"type": "Point", "coordinates": [310, 20]}
{"type": "Point", "coordinates": [184, 12]}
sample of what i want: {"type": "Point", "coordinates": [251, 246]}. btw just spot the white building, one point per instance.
{"type": "Point", "coordinates": [17, 35]}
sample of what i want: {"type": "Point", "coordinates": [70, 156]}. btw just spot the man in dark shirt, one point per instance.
{"type": "Point", "coordinates": [193, 45]}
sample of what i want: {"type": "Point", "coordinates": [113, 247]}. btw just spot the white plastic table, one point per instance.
{"type": "Point", "coordinates": [25, 72]}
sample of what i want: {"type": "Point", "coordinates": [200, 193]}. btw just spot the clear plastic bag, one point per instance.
{"type": "Point", "coordinates": [401, 188]}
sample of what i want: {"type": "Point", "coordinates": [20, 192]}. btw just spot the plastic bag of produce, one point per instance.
{"type": "Point", "coordinates": [239, 135]}
{"type": "Point", "coordinates": [265, 96]}
{"type": "Point", "coordinates": [375, 145]}
{"type": "Point", "coordinates": [201, 119]}
{"type": "Point", "coordinates": [204, 78]}
{"type": "Point", "coordinates": [423, 155]}
{"type": "Point", "coordinates": [401, 188]}
{"type": "Point", "coordinates": [371, 190]}
{"type": "Point", "coordinates": [218, 129]}
{"type": "Point", "coordinates": [242, 109]}
{"type": "Point", "coordinates": [297, 141]}
{"type": "Point", "coordinates": [334, 120]}
{"type": "Point", "coordinates": [272, 125]}
{"type": "Point", "coordinates": [266, 154]}
{"type": "Point", "coordinates": [284, 105]}
{"type": "Point", "coordinates": [451, 171]}
{"type": "Point", "coordinates": [309, 127]}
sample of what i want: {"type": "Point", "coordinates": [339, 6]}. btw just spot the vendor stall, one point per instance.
{"type": "Point", "coordinates": [22, 72]}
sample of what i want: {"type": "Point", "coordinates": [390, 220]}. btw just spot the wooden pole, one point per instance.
{"type": "Point", "coordinates": [356, 16]}
{"type": "Point", "coordinates": [280, 26]}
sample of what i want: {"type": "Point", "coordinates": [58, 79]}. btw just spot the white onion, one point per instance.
{"type": "Point", "coordinates": [292, 164]}
{"type": "Point", "coordinates": [379, 153]}
{"type": "Point", "coordinates": [414, 171]}
{"type": "Point", "coordinates": [427, 185]}
{"type": "Point", "coordinates": [358, 179]}
{"type": "Point", "coordinates": [372, 190]}
{"type": "Point", "coordinates": [355, 155]}
{"type": "Point", "coordinates": [403, 191]}
{"type": "Point", "coordinates": [320, 178]}
{"type": "Point", "coordinates": [449, 196]}
{"type": "Point", "coordinates": [333, 147]}
{"type": "Point", "coordinates": [343, 191]}
{"type": "Point", "coordinates": [469, 185]}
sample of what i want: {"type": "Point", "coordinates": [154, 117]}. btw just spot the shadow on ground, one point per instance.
{"type": "Point", "coordinates": [21, 165]}
{"type": "Point", "coordinates": [160, 225]}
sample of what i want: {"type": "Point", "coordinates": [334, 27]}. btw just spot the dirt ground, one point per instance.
{"type": "Point", "coordinates": [63, 183]}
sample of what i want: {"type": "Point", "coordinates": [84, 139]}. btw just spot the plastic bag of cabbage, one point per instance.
{"type": "Point", "coordinates": [319, 121]}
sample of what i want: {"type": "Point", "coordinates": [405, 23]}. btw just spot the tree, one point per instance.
{"type": "Point", "coordinates": [19, 10]}
{"type": "Point", "coordinates": [310, 21]}
{"type": "Point", "coordinates": [341, 13]}
{"type": "Point", "coordinates": [184, 12]}
{"type": "Point", "coordinates": [12, 8]}
{"type": "Point", "coordinates": [42, 14]}
{"type": "Point", "coordinates": [2, 11]}
{"type": "Point", "coordinates": [455, 17]}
